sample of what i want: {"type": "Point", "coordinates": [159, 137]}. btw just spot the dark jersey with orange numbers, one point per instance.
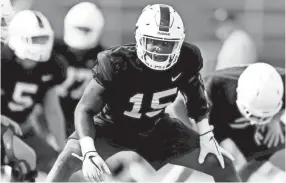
{"type": "Point", "coordinates": [221, 88]}
{"type": "Point", "coordinates": [136, 96]}
{"type": "Point", "coordinates": [21, 89]}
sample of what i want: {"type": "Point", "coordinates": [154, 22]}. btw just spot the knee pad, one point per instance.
{"type": "Point", "coordinates": [21, 157]}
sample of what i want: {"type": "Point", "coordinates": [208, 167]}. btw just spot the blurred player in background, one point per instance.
{"type": "Point", "coordinates": [7, 13]}
{"type": "Point", "coordinates": [8, 10]}
{"type": "Point", "coordinates": [16, 153]}
{"type": "Point", "coordinates": [238, 47]}
{"type": "Point", "coordinates": [29, 74]}
{"type": "Point", "coordinates": [131, 87]}
{"type": "Point", "coordinates": [81, 46]}
{"type": "Point", "coordinates": [248, 107]}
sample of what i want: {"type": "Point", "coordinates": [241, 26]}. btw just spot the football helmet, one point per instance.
{"type": "Point", "coordinates": [7, 13]}
{"type": "Point", "coordinates": [83, 26]}
{"type": "Point", "coordinates": [31, 36]}
{"type": "Point", "coordinates": [259, 93]}
{"type": "Point", "coordinates": [159, 22]}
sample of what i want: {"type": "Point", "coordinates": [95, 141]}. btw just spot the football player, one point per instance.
{"type": "Point", "coordinates": [248, 108]}
{"type": "Point", "coordinates": [29, 74]}
{"type": "Point", "coordinates": [7, 13]}
{"type": "Point", "coordinates": [131, 87]}
{"type": "Point", "coordinates": [81, 46]}
{"type": "Point", "coordinates": [23, 164]}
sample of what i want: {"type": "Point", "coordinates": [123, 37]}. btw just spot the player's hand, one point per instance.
{"type": "Point", "coordinates": [14, 126]}
{"type": "Point", "coordinates": [93, 167]}
{"type": "Point", "coordinates": [208, 144]}
{"type": "Point", "coordinates": [274, 134]}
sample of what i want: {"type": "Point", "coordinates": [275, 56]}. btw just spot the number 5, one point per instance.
{"type": "Point", "coordinates": [155, 104]}
{"type": "Point", "coordinates": [20, 101]}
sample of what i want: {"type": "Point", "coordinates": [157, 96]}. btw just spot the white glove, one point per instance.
{"type": "Point", "coordinates": [93, 166]}
{"type": "Point", "coordinates": [208, 144]}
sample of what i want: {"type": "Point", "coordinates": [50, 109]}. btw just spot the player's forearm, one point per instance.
{"type": "Point", "coordinates": [197, 103]}
{"type": "Point", "coordinates": [85, 128]}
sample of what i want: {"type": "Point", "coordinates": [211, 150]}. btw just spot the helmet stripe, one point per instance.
{"type": "Point", "coordinates": [164, 19]}
{"type": "Point", "coordinates": [41, 25]}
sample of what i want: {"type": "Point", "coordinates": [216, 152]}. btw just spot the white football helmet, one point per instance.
{"type": "Point", "coordinates": [7, 13]}
{"type": "Point", "coordinates": [31, 36]}
{"type": "Point", "coordinates": [159, 22]}
{"type": "Point", "coordinates": [83, 26]}
{"type": "Point", "coordinates": [259, 93]}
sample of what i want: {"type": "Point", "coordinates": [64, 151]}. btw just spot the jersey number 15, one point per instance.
{"type": "Point", "coordinates": [155, 103]}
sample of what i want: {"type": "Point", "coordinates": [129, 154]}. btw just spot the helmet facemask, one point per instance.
{"type": "Point", "coordinates": [158, 59]}
{"type": "Point", "coordinates": [257, 118]}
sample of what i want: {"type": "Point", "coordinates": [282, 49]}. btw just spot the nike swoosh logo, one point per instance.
{"type": "Point", "coordinates": [212, 138]}
{"type": "Point", "coordinates": [175, 78]}
{"type": "Point", "coordinates": [91, 159]}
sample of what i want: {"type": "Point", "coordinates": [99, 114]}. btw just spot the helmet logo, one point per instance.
{"type": "Point", "coordinates": [164, 33]}
{"type": "Point", "coordinates": [164, 19]}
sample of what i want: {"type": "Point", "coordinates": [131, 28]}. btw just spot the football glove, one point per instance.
{"type": "Point", "coordinates": [93, 166]}
{"type": "Point", "coordinates": [208, 144]}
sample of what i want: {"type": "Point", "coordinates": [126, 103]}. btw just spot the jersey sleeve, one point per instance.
{"type": "Point", "coordinates": [102, 71]}
{"type": "Point", "coordinates": [193, 87]}
{"type": "Point", "coordinates": [217, 116]}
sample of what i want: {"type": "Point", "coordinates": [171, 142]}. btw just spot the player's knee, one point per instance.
{"type": "Point", "coordinates": [213, 161]}
{"type": "Point", "coordinates": [66, 158]}
{"type": "Point", "coordinates": [129, 156]}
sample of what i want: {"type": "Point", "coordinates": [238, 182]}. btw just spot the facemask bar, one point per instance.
{"type": "Point", "coordinates": [171, 58]}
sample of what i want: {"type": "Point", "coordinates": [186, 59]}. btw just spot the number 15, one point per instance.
{"type": "Point", "coordinates": [155, 104]}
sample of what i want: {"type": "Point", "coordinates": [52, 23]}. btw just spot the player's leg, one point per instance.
{"type": "Point", "coordinates": [128, 166]}
{"type": "Point", "coordinates": [256, 155]}
{"type": "Point", "coordinates": [182, 148]}
{"type": "Point", "coordinates": [46, 155]}
{"type": "Point", "coordinates": [21, 157]}
{"type": "Point", "coordinates": [66, 164]}
{"type": "Point", "coordinates": [255, 171]}
{"type": "Point", "coordinates": [211, 166]}
{"type": "Point", "coordinates": [261, 166]}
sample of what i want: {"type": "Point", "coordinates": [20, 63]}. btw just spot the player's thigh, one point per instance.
{"type": "Point", "coordinates": [106, 149]}
{"type": "Point", "coordinates": [170, 139]}
{"type": "Point", "coordinates": [104, 142]}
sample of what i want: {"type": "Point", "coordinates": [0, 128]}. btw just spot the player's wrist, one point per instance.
{"type": "Point", "coordinates": [94, 153]}
{"type": "Point", "coordinates": [87, 145]}
{"type": "Point", "coordinates": [203, 126]}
